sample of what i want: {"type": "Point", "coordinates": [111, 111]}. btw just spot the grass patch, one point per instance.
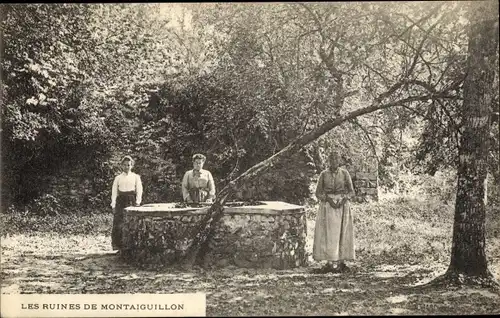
{"type": "Point", "coordinates": [410, 231]}
{"type": "Point", "coordinates": [398, 231]}
{"type": "Point", "coordinates": [62, 224]}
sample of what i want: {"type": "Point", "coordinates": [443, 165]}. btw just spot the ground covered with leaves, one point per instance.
{"type": "Point", "coordinates": [401, 245]}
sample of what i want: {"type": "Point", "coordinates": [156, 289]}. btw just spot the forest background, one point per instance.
{"type": "Point", "coordinates": [86, 84]}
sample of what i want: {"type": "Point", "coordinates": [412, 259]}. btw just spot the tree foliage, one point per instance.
{"type": "Point", "coordinates": [93, 82]}
{"type": "Point", "coordinates": [73, 86]}
{"type": "Point", "coordinates": [45, 119]}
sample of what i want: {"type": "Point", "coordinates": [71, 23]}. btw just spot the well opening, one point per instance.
{"type": "Point", "coordinates": [256, 234]}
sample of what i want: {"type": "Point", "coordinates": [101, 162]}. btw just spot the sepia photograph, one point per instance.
{"type": "Point", "coordinates": [249, 159]}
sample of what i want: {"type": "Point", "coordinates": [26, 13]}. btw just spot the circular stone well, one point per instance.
{"type": "Point", "coordinates": [269, 235]}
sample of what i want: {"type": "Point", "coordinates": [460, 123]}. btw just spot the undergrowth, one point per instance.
{"type": "Point", "coordinates": [410, 231]}
{"type": "Point", "coordinates": [62, 224]}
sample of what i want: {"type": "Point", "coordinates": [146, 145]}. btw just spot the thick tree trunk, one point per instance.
{"type": "Point", "coordinates": [468, 256]}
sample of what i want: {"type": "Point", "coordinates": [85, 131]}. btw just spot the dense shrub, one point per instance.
{"type": "Point", "coordinates": [46, 205]}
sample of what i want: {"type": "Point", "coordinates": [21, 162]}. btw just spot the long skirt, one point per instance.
{"type": "Point", "coordinates": [124, 199]}
{"type": "Point", "coordinates": [334, 233]}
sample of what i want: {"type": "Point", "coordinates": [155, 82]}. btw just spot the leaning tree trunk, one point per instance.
{"type": "Point", "coordinates": [198, 247]}
{"type": "Point", "coordinates": [468, 258]}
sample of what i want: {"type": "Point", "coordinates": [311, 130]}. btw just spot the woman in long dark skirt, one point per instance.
{"type": "Point", "coordinates": [126, 191]}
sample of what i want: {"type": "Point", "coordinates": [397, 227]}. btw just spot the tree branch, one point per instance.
{"type": "Point", "coordinates": [432, 90]}
{"type": "Point", "coordinates": [417, 112]}
{"type": "Point", "coordinates": [326, 58]}
{"type": "Point", "coordinates": [417, 23]}
{"type": "Point", "coordinates": [385, 79]}
{"type": "Point", "coordinates": [420, 21]}
{"type": "Point", "coordinates": [315, 18]}
{"type": "Point", "coordinates": [452, 120]}
{"type": "Point", "coordinates": [356, 122]}
{"type": "Point", "coordinates": [443, 73]}
{"type": "Point", "coordinates": [321, 130]}
{"type": "Point", "coordinates": [231, 174]}
{"type": "Point", "coordinates": [216, 211]}
{"type": "Point", "coordinates": [418, 52]}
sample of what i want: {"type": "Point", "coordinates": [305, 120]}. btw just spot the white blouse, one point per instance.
{"type": "Point", "coordinates": [127, 182]}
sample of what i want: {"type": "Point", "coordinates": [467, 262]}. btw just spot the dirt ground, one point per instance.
{"type": "Point", "coordinates": [51, 263]}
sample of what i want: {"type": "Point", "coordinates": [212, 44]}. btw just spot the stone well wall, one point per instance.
{"type": "Point", "coordinates": [271, 235]}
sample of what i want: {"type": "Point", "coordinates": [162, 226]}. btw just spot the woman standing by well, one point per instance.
{"type": "Point", "coordinates": [198, 184]}
{"type": "Point", "coordinates": [334, 230]}
{"type": "Point", "coordinates": [126, 191]}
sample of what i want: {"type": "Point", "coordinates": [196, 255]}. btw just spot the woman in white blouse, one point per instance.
{"type": "Point", "coordinates": [126, 191]}
{"type": "Point", "coordinates": [198, 184]}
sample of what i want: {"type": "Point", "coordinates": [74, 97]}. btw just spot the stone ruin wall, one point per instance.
{"type": "Point", "coordinates": [365, 186]}
{"type": "Point", "coordinates": [75, 187]}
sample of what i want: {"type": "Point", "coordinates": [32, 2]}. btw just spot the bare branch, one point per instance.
{"type": "Point", "coordinates": [455, 126]}
{"type": "Point", "coordinates": [448, 65]}
{"type": "Point", "coordinates": [419, 22]}
{"type": "Point", "coordinates": [447, 112]}
{"type": "Point", "coordinates": [215, 212]}
{"type": "Point", "coordinates": [315, 18]}
{"type": "Point", "coordinates": [324, 128]}
{"type": "Point", "coordinates": [385, 19]}
{"type": "Point", "coordinates": [351, 93]}
{"type": "Point", "coordinates": [378, 127]}
{"type": "Point", "coordinates": [423, 84]}
{"type": "Point", "coordinates": [367, 134]}
{"type": "Point", "coordinates": [308, 118]}
{"type": "Point", "coordinates": [416, 112]}
{"type": "Point", "coordinates": [331, 47]}
{"type": "Point", "coordinates": [418, 51]}
{"type": "Point", "coordinates": [385, 79]}
{"type": "Point", "coordinates": [326, 58]}
{"type": "Point", "coordinates": [334, 72]}
{"type": "Point", "coordinates": [389, 92]}
{"type": "Point", "coordinates": [432, 89]}
{"type": "Point", "coordinates": [231, 174]}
